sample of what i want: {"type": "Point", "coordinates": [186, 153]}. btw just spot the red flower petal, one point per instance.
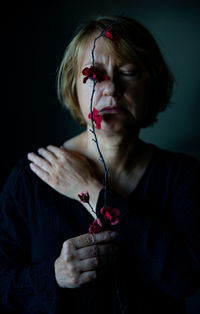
{"type": "Point", "coordinates": [84, 196]}
{"type": "Point", "coordinates": [95, 73]}
{"type": "Point", "coordinates": [95, 112]}
{"type": "Point", "coordinates": [99, 222]}
{"type": "Point", "coordinates": [98, 126]}
{"type": "Point", "coordinates": [85, 80]}
{"type": "Point", "coordinates": [96, 117]}
{"type": "Point", "coordinates": [108, 33]}
{"type": "Point", "coordinates": [85, 71]}
{"type": "Point", "coordinates": [96, 227]}
{"type": "Point", "coordinates": [111, 214]}
{"type": "Point", "coordinates": [116, 212]}
{"type": "Point", "coordinates": [114, 222]}
{"type": "Point", "coordinates": [108, 216]}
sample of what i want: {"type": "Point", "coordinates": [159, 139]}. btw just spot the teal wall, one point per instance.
{"type": "Point", "coordinates": [175, 25]}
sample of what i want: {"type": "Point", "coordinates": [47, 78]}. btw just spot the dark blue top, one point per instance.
{"type": "Point", "coordinates": [159, 236]}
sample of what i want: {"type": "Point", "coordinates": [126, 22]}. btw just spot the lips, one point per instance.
{"type": "Point", "coordinates": [110, 109]}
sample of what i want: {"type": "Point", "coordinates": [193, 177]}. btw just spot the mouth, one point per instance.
{"type": "Point", "coordinates": [110, 109]}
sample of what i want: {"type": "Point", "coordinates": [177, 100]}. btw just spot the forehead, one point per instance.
{"type": "Point", "coordinates": [118, 53]}
{"type": "Point", "coordinates": [101, 52]}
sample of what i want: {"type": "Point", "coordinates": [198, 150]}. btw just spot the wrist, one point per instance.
{"type": "Point", "coordinates": [94, 191]}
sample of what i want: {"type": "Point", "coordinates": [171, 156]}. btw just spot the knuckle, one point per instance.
{"type": "Point", "coordinates": [95, 250]}
{"type": "Point", "coordinates": [56, 181]}
{"type": "Point", "coordinates": [62, 156]}
{"type": "Point", "coordinates": [106, 236]}
{"type": "Point", "coordinates": [95, 262]}
{"type": "Point", "coordinates": [68, 247]}
{"type": "Point", "coordinates": [92, 275]}
{"type": "Point", "coordinates": [74, 279]}
{"type": "Point", "coordinates": [79, 242]}
{"type": "Point", "coordinates": [72, 269]}
{"type": "Point", "coordinates": [90, 239]}
{"type": "Point", "coordinates": [68, 257]}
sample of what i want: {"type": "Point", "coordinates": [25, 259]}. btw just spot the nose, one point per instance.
{"type": "Point", "coordinates": [111, 88]}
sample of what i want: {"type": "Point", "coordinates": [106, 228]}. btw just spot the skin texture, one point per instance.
{"type": "Point", "coordinates": [83, 258]}
{"type": "Point", "coordinates": [75, 166]}
{"type": "Point", "coordinates": [127, 87]}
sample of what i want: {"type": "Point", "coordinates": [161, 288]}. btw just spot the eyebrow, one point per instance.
{"type": "Point", "coordinates": [120, 65]}
{"type": "Point", "coordinates": [90, 63]}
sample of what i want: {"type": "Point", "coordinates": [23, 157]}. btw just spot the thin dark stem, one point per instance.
{"type": "Point", "coordinates": [91, 208]}
{"type": "Point", "coordinates": [93, 128]}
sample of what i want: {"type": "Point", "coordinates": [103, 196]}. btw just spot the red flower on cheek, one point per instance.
{"type": "Point", "coordinates": [96, 117]}
{"type": "Point", "coordinates": [99, 76]}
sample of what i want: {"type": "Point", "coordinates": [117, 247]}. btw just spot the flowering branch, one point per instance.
{"type": "Point", "coordinates": [85, 198]}
{"type": "Point", "coordinates": [108, 216]}
{"type": "Point", "coordinates": [106, 32]}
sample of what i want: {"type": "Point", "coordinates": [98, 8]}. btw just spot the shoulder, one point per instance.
{"type": "Point", "coordinates": [76, 143]}
{"type": "Point", "coordinates": [176, 166]}
{"type": "Point", "coordinates": [175, 159]}
{"type": "Point", "coordinates": [20, 180]}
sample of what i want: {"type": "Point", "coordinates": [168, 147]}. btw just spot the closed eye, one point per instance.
{"type": "Point", "coordinates": [131, 74]}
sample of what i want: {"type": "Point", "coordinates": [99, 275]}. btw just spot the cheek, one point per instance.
{"type": "Point", "coordinates": [84, 93]}
{"type": "Point", "coordinates": [137, 98]}
{"type": "Point", "coordinates": [138, 95]}
{"type": "Point", "coordinates": [84, 96]}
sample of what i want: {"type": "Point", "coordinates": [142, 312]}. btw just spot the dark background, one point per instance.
{"type": "Point", "coordinates": [34, 35]}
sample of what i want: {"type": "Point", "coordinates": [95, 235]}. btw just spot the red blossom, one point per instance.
{"type": "Point", "coordinates": [84, 196]}
{"type": "Point", "coordinates": [99, 76]}
{"type": "Point", "coordinates": [96, 117]}
{"type": "Point", "coordinates": [96, 227]}
{"type": "Point", "coordinates": [111, 214]}
{"type": "Point", "coordinates": [108, 34]}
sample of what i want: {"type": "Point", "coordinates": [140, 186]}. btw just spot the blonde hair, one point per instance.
{"type": "Point", "coordinates": [132, 42]}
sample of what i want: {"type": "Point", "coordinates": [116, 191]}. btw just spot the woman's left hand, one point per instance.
{"type": "Point", "coordinates": [65, 171]}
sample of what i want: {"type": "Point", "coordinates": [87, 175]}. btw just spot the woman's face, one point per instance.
{"type": "Point", "coordinates": [122, 99]}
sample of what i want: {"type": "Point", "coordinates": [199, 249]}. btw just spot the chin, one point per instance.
{"type": "Point", "coordinates": [119, 124]}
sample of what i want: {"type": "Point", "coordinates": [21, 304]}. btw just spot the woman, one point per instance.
{"type": "Point", "coordinates": [149, 261]}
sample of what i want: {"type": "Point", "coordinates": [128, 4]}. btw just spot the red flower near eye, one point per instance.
{"type": "Point", "coordinates": [108, 33]}
{"type": "Point", "coordinates": [96, 227]}
{"type": "Point", "coordinates": [111, 214]}
{"type": "Point", "coordinates": [96, 117]}
{"type": "Point", "coordinates": [84, 196]}
{"type": "Point", "coordinates": [99, 76]}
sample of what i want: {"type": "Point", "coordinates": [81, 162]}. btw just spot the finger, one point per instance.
{"type": "Point", "coordinates": [40, 172]}
{"type": "Point", "coordinates": [57, 151]}
{"type": "Point", "coordinates": [63, 148]}
{"type": "Point", "coordinates": [87, 276]}
{"type": "Point", "coordinates": [93, 263]}
{"type": "Point", "coordinates": [97, 250]}
{"type": "Point", "coordinates": [91, 239]}
{"type": "Point", "coordinates": [49, 156]}
{"type": "Point", "coordinates": [39, 161]}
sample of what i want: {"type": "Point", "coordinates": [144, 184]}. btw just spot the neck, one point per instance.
{"type": "Point", "coordinates": [116, 148]}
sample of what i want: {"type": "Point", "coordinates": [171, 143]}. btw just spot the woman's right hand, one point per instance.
{"type": "Point", "coordinates": [82, 257]}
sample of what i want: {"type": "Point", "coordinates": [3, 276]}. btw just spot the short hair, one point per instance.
{"type": "Point", "coordinates": [132, 42]}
